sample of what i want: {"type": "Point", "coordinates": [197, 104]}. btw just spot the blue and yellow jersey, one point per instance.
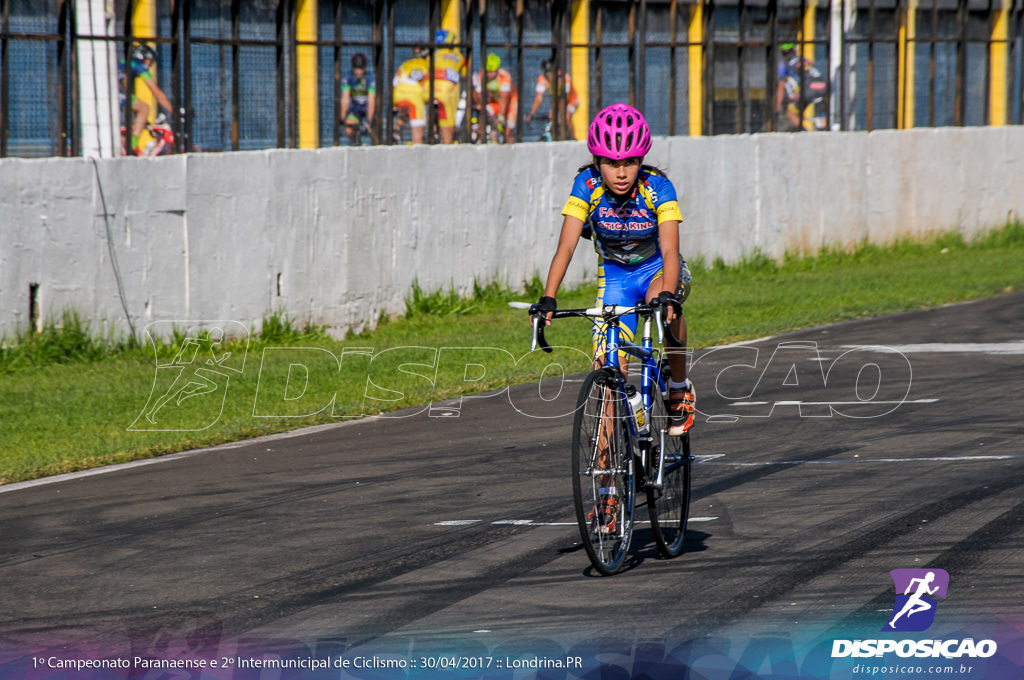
{"type": "Point", "coordinates": [625, 230]}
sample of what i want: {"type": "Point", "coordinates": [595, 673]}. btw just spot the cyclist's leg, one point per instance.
{"type": "Point", "coordinates": [618, 285]}
{"type": "Point", "coordinates": [682, 396]}
{"type": "Point", "coordinates": [446, 94]}
{"type": "Point", "coordinates": [676, 356]}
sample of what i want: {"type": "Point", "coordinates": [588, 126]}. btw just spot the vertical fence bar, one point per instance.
{"type": "Point", "coordinates": [337, 74]}
{"type": "Point", "coordinates": [673, 84]}
{"type": "Point", "coordinates": [65, 88]}
{"type": "Point", "coordinates": [5, 70]}
{"type": "Point", "coordinates": [932, 55]}
{"type": "Point", "coordinates": [961, 63]}
{"type": "Point", "coordinates": [641, 57]}
{"type": "Point", "coordinates": [176, 76]}
{"type": "Point", "coordinates": [519, 67]}
{"type": "Point", "coordinates": [598, 83]}
{"type": "Point", "coordinates": [389, 11]}
{"type": "Point", "coordinates": [771, 63]}
{"type": "Point", "coordinates": [186, 61]}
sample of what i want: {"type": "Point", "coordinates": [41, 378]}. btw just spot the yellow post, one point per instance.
{"type": "Point", "coordinates": [144, 29]}
{"type": "Point", "coordinates": [807, 49]}
{"type": "Point", "coordinates": [905, 68]}
{"type": "Point", "coordinates": [306, 68]}
{"type": "Point", "coordinates": [451, 19]}
{"type": "Point", "coordinates": [999, 51]}
{"type": "Point", "coordinates": [579, 68]}
{"type": "Point", "coordinates": [696, 59]}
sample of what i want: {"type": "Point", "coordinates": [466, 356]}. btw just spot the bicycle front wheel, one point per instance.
{"type": "Point", "coordinates": [602, 473]}
{"type": "Point", "coordinates": [669, 504]}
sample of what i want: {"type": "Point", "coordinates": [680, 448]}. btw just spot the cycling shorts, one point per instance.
{"type": "Point", "coordinates": [409, 100]}
{"type": "Point", "coordinates": [446, 93]}
{"type": "Point", "coordinates": [356, 114]}
{"type": "Point", "coordinates": [625, 284]}
{"type": "Point", "coordinates": [494, 108]}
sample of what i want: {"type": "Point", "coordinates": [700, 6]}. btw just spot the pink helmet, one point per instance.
{"type": "Point", "coordinates": [619, 131]}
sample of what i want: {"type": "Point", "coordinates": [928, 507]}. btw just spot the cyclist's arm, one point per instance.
{"type": "Point", "coordinates": [572, 229]}
{"type": "Point", "coordinates": [161, 98]}
{"type": "Point", "coordinates": [537, 101]}
{"type": "Point", "coordinates": [668, 242]}
{"type": "Point", "coordinates": [371, 105]}
{"type": "Point", "coordinates": [346, 101]}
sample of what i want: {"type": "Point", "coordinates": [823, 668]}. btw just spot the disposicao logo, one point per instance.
{"type": "Point", "coordinates": [915, 608]}
{"type": "Point", "coordinates": [914, 611]}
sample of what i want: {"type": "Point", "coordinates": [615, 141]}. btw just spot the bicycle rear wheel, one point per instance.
{"type": "Point", "coordinates": [602, 472]}
{"type": "Point", "coordinates": [669, 505]}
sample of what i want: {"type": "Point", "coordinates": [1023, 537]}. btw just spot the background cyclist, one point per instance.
{"type": "Point", "coordinates": [800, 86]}
{"type": "Point", "coordinates": [631, 212]}
{"type": "Point", "coordinates": [142, 59]}
{"type": "Point", "coordinates": [410, 94]}
{"type": "Point", "coordinates": [449, 68]}
{"type": "Point", "coordinates": [358, 99]}
{"type": "Point", "coordinates": [502, 99]}
{"type": "Point", "coordinates": [570, 99]}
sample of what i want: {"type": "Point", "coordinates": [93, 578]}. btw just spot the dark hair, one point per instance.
{"type": "Point", "coordinates": [358, 60]}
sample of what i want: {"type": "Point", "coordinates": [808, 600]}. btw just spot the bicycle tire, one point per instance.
{"type": "Point", "coordinates": [599, 408]}
{"type": "Point", "coordinates": [669, 506]}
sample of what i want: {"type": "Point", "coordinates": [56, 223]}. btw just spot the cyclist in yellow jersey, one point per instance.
{"type": "Point", "coordinates": [410, 94]}
{"type": "Point", "coordinates": [449, 68]}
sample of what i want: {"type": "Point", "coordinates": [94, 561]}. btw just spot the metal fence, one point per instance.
{"type": "Point", "coordinates": [238, 71]}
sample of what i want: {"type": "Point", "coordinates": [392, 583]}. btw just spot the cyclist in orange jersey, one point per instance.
{"type": "Point", "coordinates": [502, 99]}
{"type": "Point", "coordinates": [570, 97]}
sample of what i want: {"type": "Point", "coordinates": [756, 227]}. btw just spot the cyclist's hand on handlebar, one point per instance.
{"type": "Point", "coordinates": [546, 306]}
{"type": "Point", "coordinates": [670, 303]}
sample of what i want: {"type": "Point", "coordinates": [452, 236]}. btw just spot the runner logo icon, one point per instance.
{"type": "Point", "coordinates": [916, 590]}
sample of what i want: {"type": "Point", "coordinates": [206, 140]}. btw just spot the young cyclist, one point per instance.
{"type": "Point", "coordinates": [631, 212]}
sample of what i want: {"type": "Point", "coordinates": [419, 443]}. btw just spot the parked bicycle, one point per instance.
{"type": "Point", "coordinates": [620, 446]}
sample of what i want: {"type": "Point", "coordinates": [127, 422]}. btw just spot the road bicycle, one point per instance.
{"type": "Point", "coordinates": [620, 446]}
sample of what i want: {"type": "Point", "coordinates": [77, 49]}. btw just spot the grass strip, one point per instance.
{"type": "Point", "coordinates": [72, 400]}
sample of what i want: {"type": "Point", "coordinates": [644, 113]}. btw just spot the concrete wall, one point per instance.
{"type": "Point", "coordinates": [337, 236]}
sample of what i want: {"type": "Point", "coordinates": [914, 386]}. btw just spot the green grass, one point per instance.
{"type": "Point", "coordinates": [72, 398]}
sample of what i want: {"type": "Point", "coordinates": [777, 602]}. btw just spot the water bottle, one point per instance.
{"type": "Point", "coordinates": [636, 405]}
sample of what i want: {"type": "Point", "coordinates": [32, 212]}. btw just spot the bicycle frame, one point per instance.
{"type": "Point", "coordinates": [615, 343]}
{"type": "Point", "coordinates": [649, 376]}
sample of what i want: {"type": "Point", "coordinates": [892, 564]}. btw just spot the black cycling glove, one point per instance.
{"type": "Point", "coordinates": [544, 306]}
{"type": "Point", "coordinates": [667, 299]}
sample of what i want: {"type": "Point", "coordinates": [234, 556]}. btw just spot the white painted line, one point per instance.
{"type": "Point", "coordinates": [531, 523]}
{"type": "Point", "coordinates": [1016, 347]}
{"type": "Point", "coordinates": [927, 459]}
{"type": "Point", "coordinates": [826, 403]}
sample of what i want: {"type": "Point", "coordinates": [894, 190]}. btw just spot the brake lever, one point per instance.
{"type": "Point", "coordinates": [539, 321]}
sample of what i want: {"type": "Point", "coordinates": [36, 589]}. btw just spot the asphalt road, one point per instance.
{"type": "Point", "coordinates": [828, 458]}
